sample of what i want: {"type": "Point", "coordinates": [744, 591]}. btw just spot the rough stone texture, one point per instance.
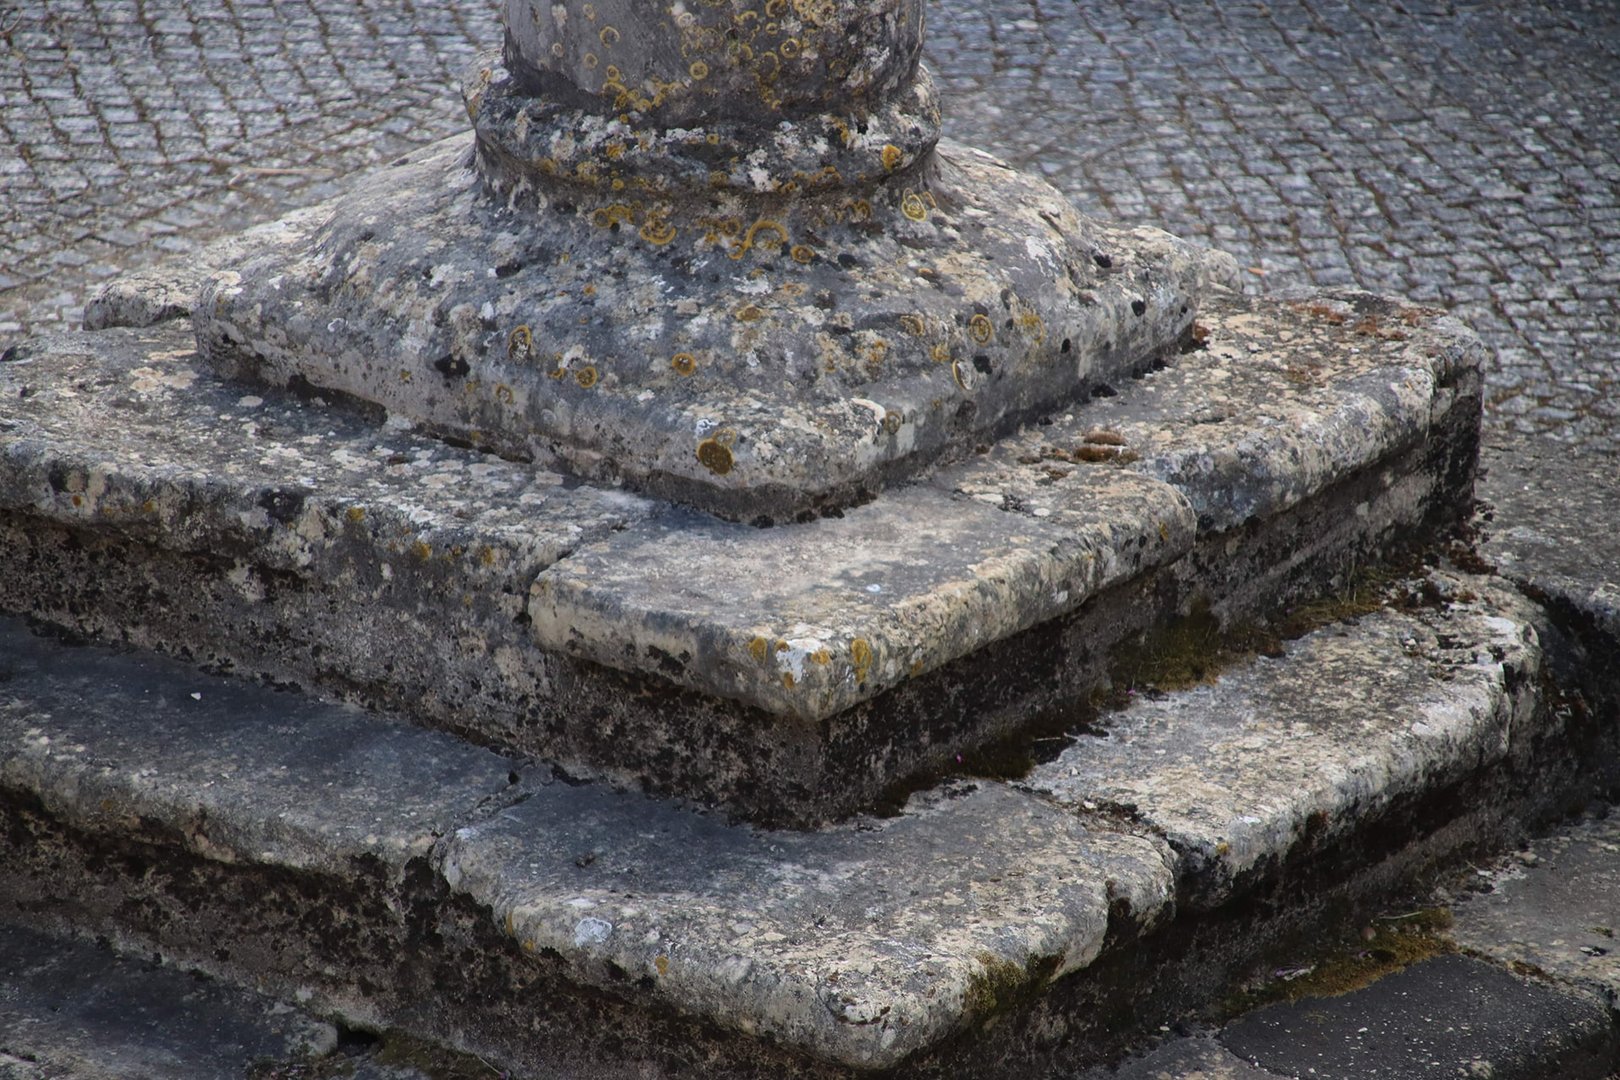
{"type": "Point", "coordinates": [168, 290]}
{"type": "Point", "coordinates": [1275, 757]}
{"type": "Point", "coordinates": [396, 878]}
{"type": "Point", "coordinates": [1443, 1018]}
{"type": "Point", "coordinates": [288, 495]}
{"type": "Point", "coordinates": [1465, 158]}
{"type": "Point", "coordinates": [756, 355]}
{"type": "Point", "coordinates": [1551, 528]}
{"type": "Point", "coordinates": [1553, 909]}
{"type": "Point", "coordinates": [293, 839]}
{"type": "Point", "coordinates": [1194, 1057]}
{"type": "Point", "coordinates": [72, 1010]}
{"type": "Point", "coordinates": [858, 945]}
{"type": "Point", "coordinates": [760, 64]}
{"type": "Point", "coordinates": [237, 772]}
{"type": "Point", "coordinates": [149, 502]}
{"type": "Point", "coordinates": [806, 621]}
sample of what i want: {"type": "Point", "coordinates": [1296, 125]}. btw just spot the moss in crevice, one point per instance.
{"type": "Point", "coordinates": [1389, 944]}
{"type": "Point", "coordinates": [1001, 986]}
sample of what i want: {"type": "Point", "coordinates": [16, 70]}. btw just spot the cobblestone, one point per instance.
{"type": "Point", "coordinates": [1461, 154]}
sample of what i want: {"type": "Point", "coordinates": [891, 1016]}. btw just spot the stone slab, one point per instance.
{"type": "Point", "coordinates": [149, 502]}
{"type": "Point", "coordinates": [393, 877]}
{"type": "Point", "coordinates": [1285, 398]}
{"type": "Point", "coordinates": [1549, 526]}
{"type": "Point", "coordinates": [1279, 755]}
{"type": "Point", "coordinates": [860, 945]}
{"type": "Point", "coordinates": [757, 355]}
{"type": "Point", "coordinates": [1443, 1018]}
{"type": "Point", "coordinates": [1281, 403]}
{"type": "Point", "coordinates": [809, 620]}
{"type": "Point", "coordinates": [1192, 1057]}
{"type": "Point", "coordinates": [72, 1011]}
{"type": "Point", "coordinates": [1553, 909]}
{"type": "Point", "coordinates": [270, 815]}
{"type": "Point", "coordinates": [236, 771]}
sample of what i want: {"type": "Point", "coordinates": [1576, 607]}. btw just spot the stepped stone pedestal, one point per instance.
{"type": "Point", "coordinates": [706, 428]}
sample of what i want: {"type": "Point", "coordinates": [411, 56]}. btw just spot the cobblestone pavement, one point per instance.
{"type": "Point", "coordinates": [1466, 152]}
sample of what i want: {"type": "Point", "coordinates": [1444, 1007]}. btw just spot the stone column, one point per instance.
{"type": "Point", "coordinates": [774, 97]}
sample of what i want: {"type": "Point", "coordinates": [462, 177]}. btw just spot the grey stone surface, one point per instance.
{"type": "Point", "coordinates": [1192, 1057]}
{"type": "Point", "coordinates": [1446, 1017]}
{"type": "Point", "coordinates": [1277, 757]}
{"type": "Point", "coordinates": [281, 538]}
{"type": "Point", "coordinates": [1553, 909]}
{"type": "Point", "coordinates": [238, 772]}
{"type": "Point", "coordinates": [806, 621]}
{"type": "Point", "coordinates": [860, 945]}
{"type": "Point", "coordinates": [1551, 528]}
{"type": "Point", "coordinates": [1286, 399]}
{"type": "Point", "coordinates": [72, 1011]}
{"type": "Point", "coordinates": [1462, 158]}
{"type": "Point", "coordinates": [755, 355]}
{"type": "Point", "coordinates": [396, 878]}
{"type": "Point", "coordinates": [806, 311]}
{"type": "Point", "coordinates": [1281, 404]}
{"type": "Point", "coordinates": [760, 64]}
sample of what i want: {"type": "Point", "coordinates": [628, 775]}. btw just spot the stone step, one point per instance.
{"type": "Point", "coordinates": [790, 674]}
{"type": "Point", "coordinates": [394, 877]}
{"type": "Point", "coordinates": [72, 1009]}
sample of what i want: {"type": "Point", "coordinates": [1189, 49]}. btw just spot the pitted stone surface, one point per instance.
{"type": "Point", "coordinates": [861, 944]}
{"type": "Point", "coordinates": [72, 1011]}
{"type": "Point", "coordinates": [1466, 158]}
{"type": "Point", "coordinates": [753, 356]}
{"type": "Point", "coordinates": [807, 620]}
{"type": "Point", "coordinates": [1554, 908]}
{"type": "Point", "coordinates": [759, 63]}
{"type": "Point", "coordinates": [150, 502]}
{"type": "Point", "coordinates": [1278, 753]}
{"type": "Point", "coordinates": [241, 773]}
{"type": "Point", "coordinates": [1551, 526]}
{"type": "Point", "coordinates": [858, 944]}
{"type": "Point", "coordinates": [127, 430]}
{"type": "Point", "coordinates": [1282, 400]}
{"type": "Point", "coordinates": [853, 945]}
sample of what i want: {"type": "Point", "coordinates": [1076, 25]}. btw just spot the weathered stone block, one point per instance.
{"type": "Point", "coordinates": [757, 356]}
{"type": "Point", "coordinates": [791, 674]}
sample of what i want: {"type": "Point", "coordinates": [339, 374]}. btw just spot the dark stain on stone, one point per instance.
{"type": "Point", "coordinates": [282, 506]}
{"type": "Point", "coordinates": [451, 367]}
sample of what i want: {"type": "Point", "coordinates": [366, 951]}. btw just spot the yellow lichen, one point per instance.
{"type": "Point", "coordinates": [657, 231]}
{"type": "Point", "coordinates": [684, 363]}
{"type": "Point", "coordinates": [586, 376]}
{"type": "Point", "coordinates": [759, 649]}
{"type": "Point", "coordinates": [714, 457]}
{"type": "Point", "coordinates": [520, 340]}
{"type": "Point", "coordinates": [860, 657]}
{"type": "Point", "coordinates": [979, 326]}
{"type": "Point", "coordinates": [762, 225]}
{"type": "Point", "coordinates": [891, 156]}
